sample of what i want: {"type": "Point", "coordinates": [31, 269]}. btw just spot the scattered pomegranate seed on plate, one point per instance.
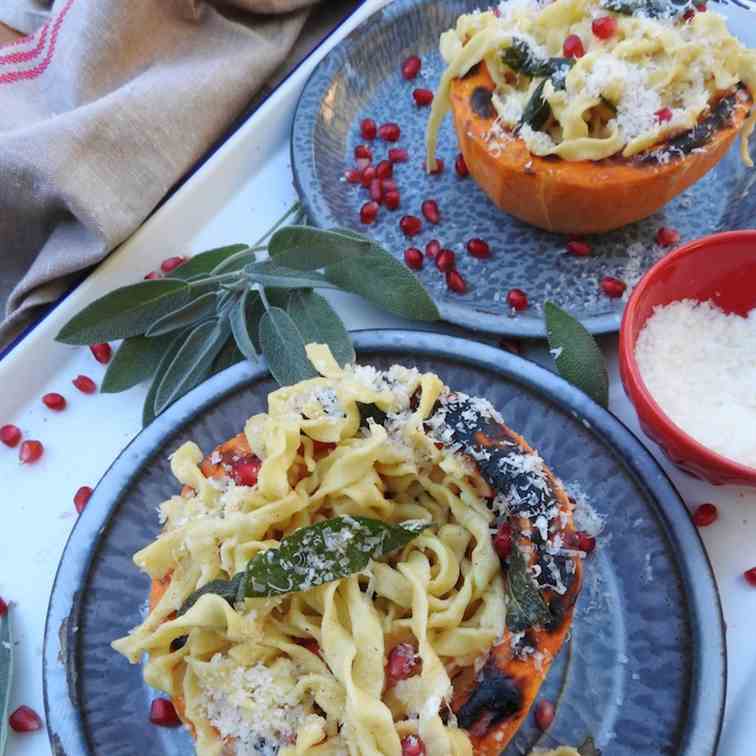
{"type": "Point", "coordinates": [544, 714]}
{"type": "Point", "coordinates": [413, 258]}
{"type": "Point", "coordinates": [430, 211]}
{"type": "Point", "coordinates": [163, 714]}
{"type": "Point", "coordinates": [479, 248]}
{"type": "Point", "coordinates": [412, 745]}
{"type": "Point", "coordinates": [389, 185]}
{"type": "Point", "coordinates": [402, 663]}
{"type": "Point", "coordinates": [352, 175]}
{"type": "Point", "coordinates": [432, 248]}
{"type": "Point", "coordinates": [368, 129]}
{"type": "Point", "coordinates": [604, 27]}
{"type": "Point", "coordinates": [362, 164]}
{"type": "Point", "coordinates": [55, 402]}
{"type": "Point", "coordinates": [689, 14]}
{"type": "Point", "coordinates": [101, 352]}
{"type": "Point", "coordinates": [445, 260]}
{"type": "Point", "coordinates": [367, 175]}
{"type": "Point", "coordinates": [460, 166]}
{"type": "Point", "coordinates": [363, 151]}
{"type": "Point", "coordinates": [667, 237]}
{"type": "Point", "coordinates": [438, 169]}
{"type": "Point", "coordinates": [700, 7]}
{"type": "Point", "coordinates": [612, 287]}
{"type": "Point", "coordinates": [410, 225]}
{"type": "Point", "coordinates": [369, 212]}
{"type": "Point", "coordinates": [573, 47]}
{"type": "Point", "coordinates": [152, 276]}
{"type": "Point", "coordinates": [517, 299]}
{"type": "Point", "coordinates": [172, 263]}
{"type": "Point", "coordinates": [30, 452]}
{"type": "Point", "coordinates": [81, 497]}
{"type": "Point", "coordinates": [422, 97]}
{"type": "Point", "coordinates": [704, 515]}
{"type": "Point", "coordinates": [3, 607]}
{"type": "Point", "coordinates": [85, 384]}
{"type": "Point", "coordinates": [411, 67]}
{"type": "Point", "coordinates": [502, 541]}
{"type": "Point", "coordinates": [245, 470]}
{"type": "Point", "coordinates": [10, 435]}
{"type": "Point", "coordinates": [663, 114]}
{"type": "Point", "coordinates": [384, 169]}
{"type": "Point", "coordinates": [391, 200]}
{"type": "Point", "coordinates": [578, 248]}
{"type": "Point", "coordinates": [25, 719]}
{"type": "Point", "coordinates": [376, 190]}
{"type": "Point", "coordinates": [455, 282]}
{"type": "Point", "coordinates": [398, 155]}
{"type": "Point", "coordinates": [750, 576]}
{"type": "Point", "coordinates": [389, 132]}
{"type": "Point", "coordinates": [584, 542]}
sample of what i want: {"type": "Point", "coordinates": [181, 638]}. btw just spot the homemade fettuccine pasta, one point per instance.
{"type": "Point", "coordinates": [328, 582]}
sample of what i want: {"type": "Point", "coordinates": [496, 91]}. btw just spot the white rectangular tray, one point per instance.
{"type": "Point", "coordinates": [234, 197]}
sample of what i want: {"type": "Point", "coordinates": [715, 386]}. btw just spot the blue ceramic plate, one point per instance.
{"type": "Point", "coordinates": [643, 671]}
{"type": "Point", "coordinates": [361, 78]}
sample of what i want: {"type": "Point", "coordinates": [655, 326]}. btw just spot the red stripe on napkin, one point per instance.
{"type": "Point", "coordinates": [24, 55]}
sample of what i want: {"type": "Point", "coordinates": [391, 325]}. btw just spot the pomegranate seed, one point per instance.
{"type": "Point", "coordinates": [664, 114]}
{"type": "Point", "coordinates": [700, 7]}
{"type": "Point", "coordinates": [604, 27]}
{"type": "Point", "coordinates": [310, 644]}
{"type": "Point", "coordinates": [502, 542]}
{"type": "Point", "coordinates": [667, 237]}
{"type": "Point", "coordinates": [613, 287]}
{"type": "Point", "coordinates": [411, 67]}
{"type": "Point", "coordinates": [544, 714]}
{"type": "Point", "coordinates": [578, 248]}
{"type": "Point", "coordinates": [438, 169]}
{"type": "Point", "coordinates": [432, 248]}
{"type": "Point", "coordinates": [152, 276]}
{"type": "Point", "coordinates": [85, 384]}
{"type": "Point", "coordinates": [585, 542]}
{"type": "Point", "coordinates": [376, 191]}
{"type": "Point", "coordinates": [30, 452]}
{"type": "Point", "coordinates": [460, 166]}
{"type": "Point", "coordinates": [81, 497]}
{"type": "Point", "coordinates": [412, 746]}
{"type": "Point", "coordinates": [445, 260]}
{"type": "Point", "coordinates": [705, 515]}
{"type": "Point", "coordinates": [510, 345]}
{"type": "Point", "coordinates": [362, 151]}
{"type": "Point", "coordinates": [430, 211]}
{"type": "Point", "coordinates": [573, 47]}
{"type": "Point", "coordinates": [413, 257]}
{"type": "Point", "coordinates": [688, 15]}
{"type": "Point", "coordinates": [368, 175]}
{"type": "Point", "coordinates": [101, 352]}
{"type": "Point", "coordinates": [362, 164]}
{"type": "Point", "coordinates": [3, 607]}
{"type": "Point", "coordinates": [10, 435]}
{"type": "Point", "coordinates": [384, 169]}
{"type": "Point", "coordinates": [352, 175]}
{"type": "Point", "coordinates": [391, 200]}
{"type": "Point", "coordinates": [369, 212]}
{"type": "Point", "coordinates": [402, 663]}
{"type": "Point", "coordinates": [25, 719]}
{"type": "Point", "coordinates": [245, 471]}
{"type": "Point", "coordinates": [478, 248]}
{"type": "Point", "coordinates": [55, 402]}
{"type": "Point", "coordinates": [389, 185]}
{"type": "Point", "coordinates": [455, 282]}
{"type": "Point", "coordinates": [410, 225]}
{"type": "Point", "coordinates": [422, 97]}
{"type": "Point", "coordinates": [517, 299]}
{"type": "Point", "coordinates": [750, 576]}
{"type": "Point", "coordinates": [389, 132]}
{"type": "Point", "coordinates": [172, 263]}
{"type": "Point", "coordinates": [398, 155]}
{"type": "Point", "coordinates": [368, 129]}
{"type": "Point", "coordinates": [163, 714]}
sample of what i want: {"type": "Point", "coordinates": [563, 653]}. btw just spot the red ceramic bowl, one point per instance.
{"type": "Point", "coordinates": [720, 268]}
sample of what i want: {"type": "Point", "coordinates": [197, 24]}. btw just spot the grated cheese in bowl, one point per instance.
{"type": "Point", "coordinates": [699, 364]}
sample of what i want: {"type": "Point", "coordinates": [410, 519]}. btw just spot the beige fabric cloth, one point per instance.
{"type": "Point", "coordinates": [103, 108]}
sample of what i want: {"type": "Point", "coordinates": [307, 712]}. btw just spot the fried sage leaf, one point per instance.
{"type": "Point", "coordinates": [312, 556]}
{"type": "Point", "coordinates": [525, 605]}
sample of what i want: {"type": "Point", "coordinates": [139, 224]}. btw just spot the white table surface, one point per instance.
{"type": "Point", "coordinates": [234, 197]}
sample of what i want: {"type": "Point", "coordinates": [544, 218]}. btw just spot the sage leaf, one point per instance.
{"type": "Point", "coordinates": [203, 263]}
{"type": "Point", "coordinates": [227, 357]}
{"type": "Point", "coordinates": [148, 410]}
{"type": "Point", "coordinates": [135, 361]}
{"type": "Point", "coordinates": [200, 308]}
{"type": "Point", "coordinates": [7, 652]}
{"type": "Point", "coordinates": [537, 109]}
{"type": "Point", "coordinates": [273, 276]}
{"type": "Point", "coordinates": [245, 320]}
{"type": "Point", "coordinates": [192, 362]}
{"type": "Point", "coordinates": [371, 412]}
{"type": "Point", "coordinates": [525, 605]}
{"type": "Point", "coordinates": [283, 347]}
{"type": "Point", "coordinates": [385, 282]}
{"type": "Point", "coordinates": [307, 248]}
{"type": "Point", "coordinates": [125, 312]}
{"type": "Point", "coordinates": [317, 321]}
{"type": "Point", "coordinates": [313, 555]}
{"type": "Point", "coordinates": [578, 357]}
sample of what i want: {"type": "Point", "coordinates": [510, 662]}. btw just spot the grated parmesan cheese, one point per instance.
{"type": "Point", "coordinates": [699, 363]}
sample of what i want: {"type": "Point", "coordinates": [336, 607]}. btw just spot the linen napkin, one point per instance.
{"type": "Point", "coordinates": [103, 107]}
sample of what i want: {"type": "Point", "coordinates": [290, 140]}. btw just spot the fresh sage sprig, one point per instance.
{"type": "Point", "coordinates": [6, 674]}
{"type": "Point", "coordinates": [312, 556]}
{"type": "Point", "coordinates": [242, 301]}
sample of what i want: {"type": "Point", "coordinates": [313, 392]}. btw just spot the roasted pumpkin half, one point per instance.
{"type": "Point", "coordinates": [582, 116]}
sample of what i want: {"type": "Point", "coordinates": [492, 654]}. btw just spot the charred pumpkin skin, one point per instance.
{"type": "Point", "coordinates": [573, 197]}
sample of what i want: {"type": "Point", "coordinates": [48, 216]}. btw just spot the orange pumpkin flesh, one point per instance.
{"type": "Point", "coordinates": [575, 197]}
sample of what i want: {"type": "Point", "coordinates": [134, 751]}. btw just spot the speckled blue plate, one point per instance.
{"type": "Point", "coordinates": [643, 671]}
{"type": "Point", "coordinates": [361, 78]}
